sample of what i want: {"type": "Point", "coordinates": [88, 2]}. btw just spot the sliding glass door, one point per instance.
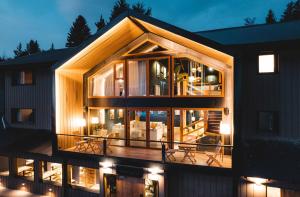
{"type": "Point", "coordinates": [148, 127]}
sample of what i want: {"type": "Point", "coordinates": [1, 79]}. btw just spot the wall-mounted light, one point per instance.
{"type": "Point", "coordinates": [154, 173]}
{"type": "Point", "coordinates": [107, 166]}
{"type": "Point", "coordinates": [23, 184]}
{"type": "Point", "coordinates": [193, 118]}
{"type": "Point", "coordinates": [81, 122]}
{"type": "Point", "coordinates": [50, 189]}
{"type": "Point", "coordinates": [257, 180]}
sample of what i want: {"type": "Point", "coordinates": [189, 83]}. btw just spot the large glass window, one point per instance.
{"type": "Point", "coordinates": [52, 172]}
{"type": "Point", "coordinates": [108, 81]}
{"type": "Point", "coordinates": [159, 77]}
{"type": "Point", "coordinates": [83, 177]}
{"type": "Point", "coordinates": [137, 77]}
{"type": "Point", "coordinates": [148, 125]}
{"type": "Point", "coordinates": [197, 126]}
{"type": "Point", "coordinates": [137, 121]}
{"type": "Point", "coordinates": [108, 122]}
{"type": "Point", "coordinates": [4, 170]}
{"type": "Point", "coordinates": [158, 127]}
{"type": "Point", "coordinates": [192, 78]}
{"type": "Point", "coordinates": [25, 168]}
{"type": "Point", "coordinates": [149, 77]}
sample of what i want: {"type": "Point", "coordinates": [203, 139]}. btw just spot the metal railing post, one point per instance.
{"type": "Point", "coordinates": [104, 146]}
{"type": "Point", "coordinates": [163, 152]}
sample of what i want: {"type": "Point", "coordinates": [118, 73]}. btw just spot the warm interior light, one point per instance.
{"type": "Point", "coordinates": [23, 184]}
{"type": "Point", "coordinates": [273, 192]}
{"type": "Point", "coordinates": [193, 118]}
{"type": "Point", "coordinates": [224, 128]}
{"type": "Point", "coordinates": [266, 63]}
{"type": "Point", "coordinates": [81, 122]}
{"type": "Point", "coordinates": [257, 180]}
{"type": "Point", "coordinates": [50, 190]}
{"type": "Point", "coordinates": [95, 120]}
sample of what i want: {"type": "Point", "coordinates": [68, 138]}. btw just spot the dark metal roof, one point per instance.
{"type": "Point", "coordinates": [255, 34]}
{"type": "Point", "coordinates": [38, 58]}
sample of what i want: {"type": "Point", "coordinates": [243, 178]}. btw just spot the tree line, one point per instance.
{"type": "Point", "coordinates": [290, 13]}
{"type": "Point", "coordinates": [80, 30]}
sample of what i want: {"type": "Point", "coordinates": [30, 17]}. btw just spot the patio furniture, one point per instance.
{"type": "Point", "coordinates": [49, 174]}
{"type": "Point", "coordinates": [212, 157]}
{"type": "Point", "coordinates": [110, 140]}
{"type": "Point", "coordinates": [169, 152]}
{"type": "Point", "coordinates": [24, 169]}
{"type": "Point", "coordinates": [79, 143]}
{"type": "Point", "coordinates": [189, 152]}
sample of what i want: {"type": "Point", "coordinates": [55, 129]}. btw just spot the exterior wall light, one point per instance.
{"type": "Point", "coordinates": [107, 167]}
{"type": "Point", "coordinates": [154, 173]}
{"type": "Point", "coordinates": [257, 180]}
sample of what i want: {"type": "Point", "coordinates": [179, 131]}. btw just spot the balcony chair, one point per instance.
{"type": "Point", "coordinates": [79, 143]}
{"type": "Point", "coordinates": [169, 151]}
{"type": "Point", "coordinates": [212, 157]}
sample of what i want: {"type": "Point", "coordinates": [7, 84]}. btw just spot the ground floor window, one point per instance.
{"type": "Point", "coordinates": [115, 185]}
{"type": "Point", "coordinates": [52, 172]}
{"type": "Point", "coordinates": [4, 171]}
{"type": "Point", "coordinates": [25, 168]}
{"type": "Point", "coordinates": [86, 178]}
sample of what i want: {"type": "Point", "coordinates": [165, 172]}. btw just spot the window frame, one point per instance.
{"type": "Point", "coordinates": [114, 63]}
{"type": "Point", "coordinates": [147, 59]}
{"type": "Point", "coordinates": [196, 96]}
{"type": "Point", "coordinates": [13, 121]}
{"type": "Point", "coordinates": [276, 123]}
{"type": "Point", "coordinates": [276, 63]}
{"type": "Point", "coordinates": [15, 77]}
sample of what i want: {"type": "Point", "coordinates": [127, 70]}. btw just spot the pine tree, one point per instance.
{"type": "Point", "coordinates": [78, 32]}
{"type": "Point", "coordinates": [270, 19]}
{"type": "Point", "coordinates": [2, 59]}
{"type": "Point", "coordinates": [249, 21]}
{"type": "Point", "coordinates": [140, 8]}
{"type": "Point", "coordinates": [119, 7]}
{"type": "Point", "coordinates": [296, 11]}
{"type": "Point", "coordinates": [51, 47]}
{"type": "Point", "coordinates": [19, 52]}
{"type": "Point", "coordinates": [101, 23]}
{"type": "Point", "coordinates": [288, 12]}
{"type": "Point", "coordinates": [32, 47]}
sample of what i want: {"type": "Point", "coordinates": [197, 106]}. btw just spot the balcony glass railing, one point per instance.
{"type": "Point", "coordinates": [214, 155]}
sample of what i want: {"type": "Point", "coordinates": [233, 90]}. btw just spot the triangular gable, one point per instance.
{"type": "Point", "coordinates": [127, 28]}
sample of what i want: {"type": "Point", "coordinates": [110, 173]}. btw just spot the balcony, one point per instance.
{"type": "Point", "coordinates": [213, 155]}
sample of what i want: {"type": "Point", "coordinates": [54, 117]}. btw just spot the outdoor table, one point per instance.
{"type": "Point", "coordinates": [189, 152]}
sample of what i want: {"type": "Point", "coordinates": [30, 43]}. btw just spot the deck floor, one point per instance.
{"type": "Point", "coordinates": [155, 155]}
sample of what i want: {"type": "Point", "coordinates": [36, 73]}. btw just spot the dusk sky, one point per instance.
{"type": "Point", "coordinates": [49, 20]}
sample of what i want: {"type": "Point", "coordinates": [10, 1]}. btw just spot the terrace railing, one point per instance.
{"type": "Point", "coordinates": [215, 155]}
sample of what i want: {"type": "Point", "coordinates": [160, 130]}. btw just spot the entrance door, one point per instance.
{"type": "Point", "coordinates": [130, 186]}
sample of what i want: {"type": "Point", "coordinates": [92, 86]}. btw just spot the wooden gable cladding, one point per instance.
{"type": "Point", "coordinates": [69, 101]}
{"type": "Point", "coordinates": [188, 43]}
{"type": "Point", "coordinates": [104, 46]}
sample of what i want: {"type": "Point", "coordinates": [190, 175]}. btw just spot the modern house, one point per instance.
{"type": "Point", "coordinates": [143, 108]}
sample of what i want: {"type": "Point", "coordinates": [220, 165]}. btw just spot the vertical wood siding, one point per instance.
{"type": "Point", "coordinates": [279, 92]}
{"type": "Point", "coordinates": [2, 95]}
{"type": "Point", "coordinates": [37, 96]}
{"type": "Point", "coordinates": [182, 184]}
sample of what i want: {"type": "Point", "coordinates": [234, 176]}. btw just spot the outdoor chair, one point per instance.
{"type": "Point", "coordinates": [212, 156]}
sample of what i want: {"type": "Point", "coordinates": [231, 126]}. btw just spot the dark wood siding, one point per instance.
{"type": "Point", "coordinates": [195, 184]}
{"type": "Point", "coordinates": [2, 95]}
{"type": "Point", "coordinates": [37, 96]}
{"type": "Point", "coordinates": [273, 92]}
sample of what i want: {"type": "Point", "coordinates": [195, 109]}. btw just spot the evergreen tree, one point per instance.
{"type": "Point", "coordinates": [51, 47]}
{"type": "Point", "coordinates": [2, 59]}
{"type": "Point", "coordinates": [288, 12]}
{"type": "Point", "coordinates": [270, 19]}
{"type": "Point", "coordinates": [140, 8]}
{"type": "Point", "coordinates": [101, 23]}
{"type": "Point", "coordinates": [119, 7]}
{"type": "Point", "coordinates": [32, 47]}
{"type": "Point", "coordinates": [78, 32]}
{"type": "Point", "coordinates": [19, 52]}
{"type": "Point", "coordinates": [249, 21]}
{"type": "Point", "coordinates": [296, 11]}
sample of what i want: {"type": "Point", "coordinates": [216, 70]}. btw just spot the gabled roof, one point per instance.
{"type": "Point", "coordinates": [128, 27]}
{"type": "Point", "coordinates": [39, 58]}
{"type": "Point", "coordinates": [255, 34]}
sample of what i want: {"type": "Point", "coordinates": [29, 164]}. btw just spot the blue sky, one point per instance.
{"type": "Point", "coordinates": [49, 20]}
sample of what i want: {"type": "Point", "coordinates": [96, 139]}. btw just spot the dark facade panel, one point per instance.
{"type": "Point", "coordinates": [37, 97]}
{"type": "Point", "coordinates": [277, 93]}
{"type": "Point", "coordinates": [2, 94]}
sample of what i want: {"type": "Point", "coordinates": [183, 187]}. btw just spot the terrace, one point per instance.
{"type": "Point", "coordinates": [182, 153]}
